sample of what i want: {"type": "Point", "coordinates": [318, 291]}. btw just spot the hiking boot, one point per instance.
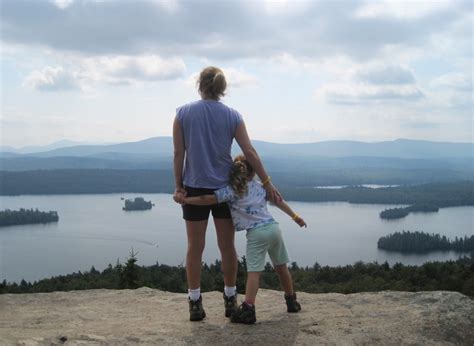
{"type": "Point", "coordinates": [244, 314]}
{"type": "Point", "coordinates": [291, 304]}
{"type": "Point", "coordinates": [230, 304]}
{"type": "Point", "coordinates": [196, 311]}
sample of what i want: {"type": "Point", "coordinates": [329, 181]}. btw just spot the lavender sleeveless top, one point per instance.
{"type": "Point", "coordinates": [208, 128]}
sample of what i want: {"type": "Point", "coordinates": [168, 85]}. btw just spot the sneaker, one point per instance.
{"type": "Point", "coordinates": [291, 304]}
{"type": "Point", "coordinates": [244, 314]}
{"type": "Point", "coordinates": [196, 311]}
{"type": "Point", "coordinates": [230, 304]}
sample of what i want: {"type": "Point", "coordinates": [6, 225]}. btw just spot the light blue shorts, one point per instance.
{"type": "Point", "coordinates": [263, 239]}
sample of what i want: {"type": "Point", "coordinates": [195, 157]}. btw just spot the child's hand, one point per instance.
{"type": "Point", "coordinates": [179, 195]}
{"type": "Point", "coordinates": [300, 222]}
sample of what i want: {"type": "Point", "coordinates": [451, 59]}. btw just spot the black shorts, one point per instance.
{"type": "Point", "coordinates": [201, 212]}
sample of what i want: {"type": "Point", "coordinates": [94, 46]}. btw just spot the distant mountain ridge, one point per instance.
{"type": "Point", "coordinates": [162, 147]}
{"type": "Point", "coordinates": [64, 143]}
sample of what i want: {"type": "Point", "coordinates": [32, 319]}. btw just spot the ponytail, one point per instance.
{"type": "Point", "coordinates": [239, 175]}
{"type": "Point", "coordinates": [212, 83]}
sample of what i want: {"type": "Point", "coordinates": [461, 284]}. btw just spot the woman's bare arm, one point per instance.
{"type": "Point", "coordinates": [242, 138]}
{"type": "Point", "coordinates": [178, 161]}
{"type": "Point", "coordinates": [201, 200]}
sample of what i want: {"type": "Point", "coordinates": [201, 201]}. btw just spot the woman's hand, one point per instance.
{"type": "Point", "coordinates": [179, 195]}
{"type": "Point", "coordinates": [273, 195]}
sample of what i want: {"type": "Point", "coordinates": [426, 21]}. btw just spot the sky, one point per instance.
{"type": "Point", "coordinates": [298, 71]}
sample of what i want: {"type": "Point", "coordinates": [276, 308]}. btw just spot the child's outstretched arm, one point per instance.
{"type": "Point", "coordinates": [201, 200]}
{"type": "Point", "coordinates": [283, 206]}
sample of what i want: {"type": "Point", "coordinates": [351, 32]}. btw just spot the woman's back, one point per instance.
{"type": "Point", "coordinates": [208, 128]}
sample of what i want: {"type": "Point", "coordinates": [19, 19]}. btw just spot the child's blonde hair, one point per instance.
{"type": "Point", "coordinates": [240, 174]}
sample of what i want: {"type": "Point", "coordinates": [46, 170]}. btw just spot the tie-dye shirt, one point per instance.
{"type": "Point", "coordinates": [249, 211]}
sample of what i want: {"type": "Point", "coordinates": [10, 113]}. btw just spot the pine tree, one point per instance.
{"type": "Point", "coordinates": [129, 272]}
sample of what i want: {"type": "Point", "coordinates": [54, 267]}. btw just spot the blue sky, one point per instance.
{"type": "Point", "coordinates": [298, 71]}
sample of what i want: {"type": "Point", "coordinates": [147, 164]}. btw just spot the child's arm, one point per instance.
{"type": "Point", "coordinates": [283, 206]}
{"type": "Point", "coordinates": [201, 200]}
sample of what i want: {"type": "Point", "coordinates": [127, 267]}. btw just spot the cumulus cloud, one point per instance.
{"type": "Point", "coordinates": [53, 79]}
{"type": "Point", "coordinates": [238, 78]}
{"type": "Point", "coordinates": [114, 70]}
{"type": "Point", "coordinates": [402, 9]}
{"type": "Point", "coordinates": [222, 30]}
{"type": "Point", "coordinates": [129, 69]}
{"type": "Point", "coordinates": [371, 83]}
{"type": "Point", "coordinates": [385, 74]}
{"type": "Point", "coordinates": [62, 4]}
{"type": "Point", "coordinates": [455, 80]}
{"type": "Point", "coordinates": [358, 93]}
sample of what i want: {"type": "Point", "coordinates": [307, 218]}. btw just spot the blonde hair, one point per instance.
{"type": "Point", "coordinates": [240, 174]}
{"type": "Point", "coordinates": [212, 83]}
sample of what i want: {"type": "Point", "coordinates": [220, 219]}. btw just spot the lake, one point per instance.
{"type": "Point", "coordinates": [93, 230]}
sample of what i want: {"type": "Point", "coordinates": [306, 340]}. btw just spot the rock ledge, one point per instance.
{"type": "Point", "coordinates": [150, 316]}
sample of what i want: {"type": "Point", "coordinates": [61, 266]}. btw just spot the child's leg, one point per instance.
{"type": "Point", "coordinates": [251, 289]}
{"type": "Point", "coordinates": [287, 284]}
{"type": "Point", "coordinates": [285, 278]}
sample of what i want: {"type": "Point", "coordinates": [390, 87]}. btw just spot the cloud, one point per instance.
{"type": "Point", "coordinates": [455, 80]}
{"type": "Point", "coordinates": [130, 69]}
{"type": "Point", "coordinates": [53, 79]}
{"type": "Point", "coordinates": [367, 83]}
{"type": "Point", "coordinates": [221, 30]}
{"type": "Point", "coordinates": [62, 4]}
{"type": "Point", "coordinates": [402, 9]}
{"type": "Point", "coordinates": [238, 78]}
{"type": "Point", "coordinates": [360, 93]}
{"type": "Point", "coordinates": [114, 70]}
{"type": "Point", "coordinates": [390, 74]}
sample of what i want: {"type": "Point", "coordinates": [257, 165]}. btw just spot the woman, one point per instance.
{"type": "Point", "coordinates": [203, 132]}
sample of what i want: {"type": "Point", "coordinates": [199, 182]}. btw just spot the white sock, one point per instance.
{"type": "Point", "coordinates": [230, 291]}
{"type": "Point", "coordinates": [194, 294]}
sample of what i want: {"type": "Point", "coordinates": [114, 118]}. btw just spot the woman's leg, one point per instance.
{"type": "Point", "coordinates": [225, 241]}
{"type": "Point", "coordinates": [196, 231]}
{"type": "Point", "coordinates": [285, 278]}
{"type": "Point", "coordinates": [251, 289]}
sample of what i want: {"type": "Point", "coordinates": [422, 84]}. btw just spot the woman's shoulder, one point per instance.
{"type": "Point", "coordinates": [232, 110]}
{"type": "Point", "coordinates": [188, 105]}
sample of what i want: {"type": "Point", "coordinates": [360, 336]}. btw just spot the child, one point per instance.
{"type": "Point", "coordinates": [248, 206]}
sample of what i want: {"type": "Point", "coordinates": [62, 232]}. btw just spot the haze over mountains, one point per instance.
{"type": "Point", "coordinates": [401, 148]}
{"type": "Point", "coordinates": [334, 162]}
{"type": "Point", "coordinates": [146, 166]}
{"type": "Point", "coordinates": [64, 143]}
{"type": "Point", "coordinates": [156, 153]}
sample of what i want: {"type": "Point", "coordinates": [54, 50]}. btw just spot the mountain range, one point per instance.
{"type": "Point", "coordinates": [163, 146]}
{"type": "Point", "coordinates": [156, 153]}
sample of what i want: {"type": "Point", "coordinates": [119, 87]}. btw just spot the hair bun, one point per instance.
{"type": "Point", "coordinates": [219, 78]}
{"type": "Point", "coordinates": [212, 83]}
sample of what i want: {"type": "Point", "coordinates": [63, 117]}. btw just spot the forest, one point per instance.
{"type": "Point", "coordinates": [26, 216]}
{"type": "Point", "coordinates": [398, 213]}
{"type": "Point", "coordinates": [97, 181]}
{"type": "Point", "coordinates": [359, 277]}
{"type": "Point", "coordinates": [421, 242]}
{"type": "Point", "coordinates": [138, 203]}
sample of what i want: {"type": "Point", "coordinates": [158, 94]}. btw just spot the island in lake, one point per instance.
{"type": "Point", "coordinates": [138, 203]}
{"type": "Point", "coordinates": [421, 242]}
{"type": "Point", "coordinates": [26, 216]}
{"type": "Point", "coordinates": [398, 213]}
